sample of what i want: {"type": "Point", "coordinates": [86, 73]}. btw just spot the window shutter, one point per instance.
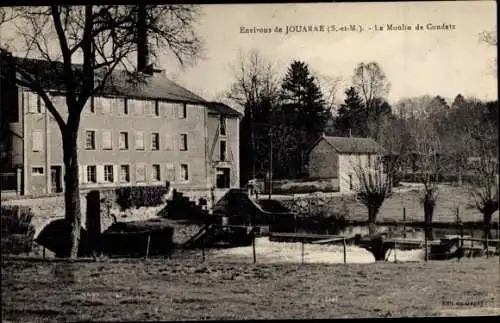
{"type": "Point", "coordinates": [116, 174]}
{"type": "Point", "coordinates": [100, 173]}
{"type": "Point", "coordinates": [170, 172]}
{"type": "Point", "coordinates": [80, 174]}
{"type": "Point", "coordinates": [28, 102]}
{"type": "Point", "coordinates": [37, 141]}
{"type": "Point", "coordinates": [169, 142]}
{"type": "Point", "coordinates": [106, 139]}
{"type": "Point", "coordinates": [84, 174]}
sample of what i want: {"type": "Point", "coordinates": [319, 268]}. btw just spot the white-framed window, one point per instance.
{"type": "Point", "coordinates": [30, 102]}
{"type": "Point", "coordinates": [137, 106]}
{"type": "Point", "coordinates": [107, 140]}
{"type": "Point", "coordinates": [170, 172]}
{"type": "Point", "coordinates": [92, 174]}
{"type": "Point", "coordinates": [222, 150]}
{"type": "Point", "coordinates": [123, 140]}
{"type": "Point", "coordinates": [90, 139]}
{"type": "Point", "coordinates": [108, 173]}
{"type": "Point", "coordinates": [168, 109]}
{"type": "Point", "coordinates": [183, 142]}
{"type": "Point", "coordinates": [155, 141]}
{"type": "Point", "coordinates": [124, 174]}
{"type": "Point", "coordinates": [155, 173]}
{"type": "Point", "coordinates": [184, 172]}
{"type": "Point", "coordinates": [140, 173]}
{"type": "Point", "coordinates": [125, 107]}
{"type": "Point", "coordinates": [37, 140]}
{"type": "Point", "coordinates": [182, 110]}
{"type": "Point", "coordinates": [37, 171]}
{"type": "Point", "coordinates": [139, 140]}
{"type": "Point", "coordinates": [156, 109]}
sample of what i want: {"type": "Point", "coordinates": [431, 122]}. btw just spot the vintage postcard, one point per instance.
{"type": "Point", "coordinates": [249, 161]}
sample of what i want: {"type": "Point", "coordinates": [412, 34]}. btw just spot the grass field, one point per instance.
{"type": "Point", "coordinates": [180, 290]}
{"type": "Point", "coordinates": [450, 198]}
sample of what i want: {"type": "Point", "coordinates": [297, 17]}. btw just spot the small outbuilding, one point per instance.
{"type": "Point", "coordinates": [336, 158]}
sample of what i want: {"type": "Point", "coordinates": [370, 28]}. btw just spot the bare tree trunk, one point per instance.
{"type": "Point", "coordinates": [372, 216]}
{"type": "Point", "coordinates": [72, 192]}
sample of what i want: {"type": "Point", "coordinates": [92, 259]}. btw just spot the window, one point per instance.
{"type": "Point", "coordinates": [37, 171]}
{"type": "Point", "coordinates": [167, 108]}
{"type": "Point", "coordinates": [90, 140]}
{"type": "Point", "coordinates": [184, 172]}
{"type": "Point", "coordinates": [222, 150]}
{"type": "Point", "coordinates": [182, 111]}
{"type": "Point", "coordinates": [123, 140]}
{"type": "Point", "coordinates": [107, 142]}
{"type": "Point", "coordinates": [137, 106]}
{"type": "Point", "coordinates": [108, 173]}
{"type": "Point", "coordinates": [184, 143]}
{"type": "Point", "coordinates": [37, 141]}
{"type": "Point", "coordinates": [170, 172]}
{"type": "Point", "coordinates": [156, 109]}
{"type": "Point", "coordinates": [350, 182]}
{"type": "Point", "coordinates": [155, 173]}
{"type": "Point", "coordinates": [169, 142]}
{"type": "Point", "coordinates": [155, 141]}
{"type": "Point", "coordinates": [89, 105]}
{"type": "Point", "coordinates": [31, 102]}
{"type": "Point", "coordinates": [369, 160]}
{"type": "Point", "coordinates": [140, 173]}
{"type": "Point", "coordinates": [139, 140]}
{"type": "Point", "coordinates": [125, 107]}
{"type": "Point", "coordinates": [222, 121]}
{"type": "Point", "coordinates": [92, 174]}
{"type": "Point", "coordinates": [124, 173]}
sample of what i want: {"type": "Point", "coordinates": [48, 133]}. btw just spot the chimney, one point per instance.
{"type": "Point", "coordinates": [142, 39]}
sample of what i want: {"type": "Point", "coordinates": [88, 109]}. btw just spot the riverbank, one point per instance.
{"type": "Point", "coordinates": [159, 289]}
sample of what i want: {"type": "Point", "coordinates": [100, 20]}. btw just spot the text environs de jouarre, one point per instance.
{"type": "Point", "coordinates": [298, 28]}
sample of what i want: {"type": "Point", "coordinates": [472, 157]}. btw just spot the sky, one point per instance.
{"type": "Point", "coordinates": [423, 62]}
{"type": "Point", "coordinates": [433, 62]}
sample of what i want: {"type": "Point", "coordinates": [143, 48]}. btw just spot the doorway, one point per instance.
{"type": "Point", "coordinates": [55, 175]}
{"type": "Point", "coordinates": [223, 179]}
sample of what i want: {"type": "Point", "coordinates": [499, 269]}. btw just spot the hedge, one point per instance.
{"type": "Point", "coordinates": [17, 231]}
{"type": "Point", "coordinates": [138, 196]}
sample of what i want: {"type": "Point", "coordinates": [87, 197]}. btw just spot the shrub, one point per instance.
{"type": "Point", "coordinates": [17, 231]}
{"type": "Point", "coordinates": [138, 196]}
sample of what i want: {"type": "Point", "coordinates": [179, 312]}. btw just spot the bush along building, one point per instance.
{"type": "Point", "coordinates": [131, 134]}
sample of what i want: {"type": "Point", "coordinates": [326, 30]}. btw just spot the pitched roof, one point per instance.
{"type": "Point", "coordinates": [155, 86]}
{"type": "Point", "coordinates": [354, 145]}
{"type": "Point", "coordinates": [221, 108]}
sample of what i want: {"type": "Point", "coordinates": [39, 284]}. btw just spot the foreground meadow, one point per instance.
{"type": "Point", "coordinates": [159, 289]}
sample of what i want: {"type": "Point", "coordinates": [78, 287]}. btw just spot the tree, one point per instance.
{"type": "Point", "coordinates": [483, 131]}
{"type": "Point", "coordinates": [256, 90]}
{"type": "Point", "coordinates": [371, 82]}
{"type": "Point", "coordinates": [103, 37]}
{"type": "Point", "coordinates": [373, 187]}
{"type": "Point", "coordinates": [351, 117]}
{"type": "Point", "coordinates": [428, 149]}
{"type": "Point", "coordinates": [303, 108]}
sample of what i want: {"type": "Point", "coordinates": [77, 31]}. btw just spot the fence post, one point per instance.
{"type": "Point", "coordinates": [203, 249]}
{"type": "Point", "coordinates": [404, 223]}
{"type": "Point", "coordinates": [18, 181]}
{"type": "Point", "coordinates": [345, 251]}
{"type": "Point", "coordinates": [302, 251]}
{"type": "Point", "coordinates": [426, 246]}
{"type": "Point", "coordinates": [395, 247]}
{"type": "Point", "coordinates": [147, 245]}
{"type": "Point", "coordinates": [253, 246]}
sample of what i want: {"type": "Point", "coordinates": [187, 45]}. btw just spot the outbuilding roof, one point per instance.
{"type": "Point", "coordinates": [352, 145]}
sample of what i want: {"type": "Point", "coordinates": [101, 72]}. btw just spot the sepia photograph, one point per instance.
{"type": "Point", "coordinates": [179, 162]}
